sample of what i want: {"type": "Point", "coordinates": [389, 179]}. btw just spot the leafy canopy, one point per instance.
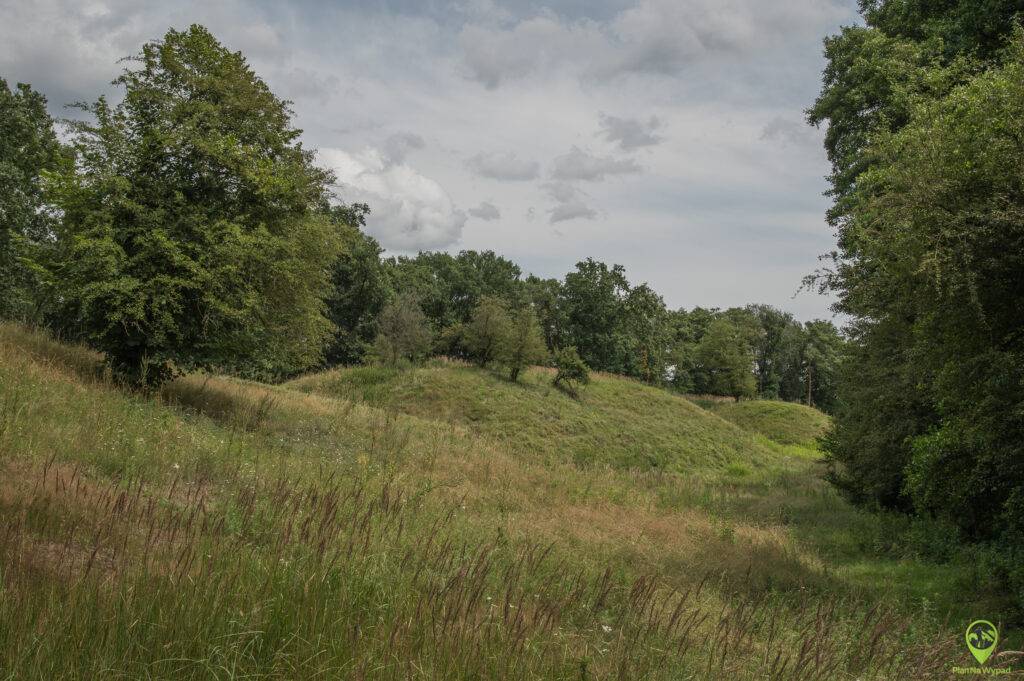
{"type": "Point", "coordinates": [190, 235]}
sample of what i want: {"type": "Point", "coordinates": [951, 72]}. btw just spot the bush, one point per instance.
{"type": "Point", "coordinates": [524, 345]}
{"type": "Point", "coordinates": [487, 331]}
{"type": "Point", "coordinates": [572, 371]}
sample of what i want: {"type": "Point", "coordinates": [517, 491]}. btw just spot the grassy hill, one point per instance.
{"type": "Point", "coordinates": [786, 423]}
{"type": "Point", "coordinates": [616, 421]}
{"type": "Point", "coordinates": [437, 523]}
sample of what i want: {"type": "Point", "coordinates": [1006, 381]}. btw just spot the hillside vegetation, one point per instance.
{"type": "Point", "coordinates": [616, 422]}
{"type": "Point", "coordinates": [225, 528]}
{"type": "Point", "coordinates": [786, 423]}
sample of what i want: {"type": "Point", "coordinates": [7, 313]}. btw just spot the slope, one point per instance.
{"type": "Point", "coordinates": [786, 423]}
{"type": "Point", "coordinates": [616, 421]}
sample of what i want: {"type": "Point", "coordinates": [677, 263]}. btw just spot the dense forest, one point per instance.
{"type": "Point", "coordinates": [924, 107]}
{"type": "Point", "coordinates": [186, 227]}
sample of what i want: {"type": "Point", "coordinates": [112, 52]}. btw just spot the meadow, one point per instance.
{"type": "Point", "coordinates": [441, 522]}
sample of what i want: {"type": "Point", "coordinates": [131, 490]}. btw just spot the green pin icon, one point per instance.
{"type": "Point", "coordinates": [982, 637]}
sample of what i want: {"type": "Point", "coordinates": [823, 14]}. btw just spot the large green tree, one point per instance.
{"type": "Point", "coordinates": [924, 106]}
{"type": "Point", "coordinates": [191, 233]}
{"type": "Point", "coordinates": [28, 152]}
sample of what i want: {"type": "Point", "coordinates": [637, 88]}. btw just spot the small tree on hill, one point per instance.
{"type": "Point", "coordinates": [404, 333]}
{"type": "Point", "coordinates": [572, 371]}
{"type": "Point", "coordinates": [524, 345]}
{"type": "Point", "coordinates": [487, 331]}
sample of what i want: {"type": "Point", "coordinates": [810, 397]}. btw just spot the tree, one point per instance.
{"type": "Point", "coordinates": [724, 357]}
{"type": "Point", "coordinates": [592, 297]}
{"type": "Point", "coordinates": [404, 334]}
{"type": "Point", "coordinates": [646, 324]}
{"type": "Point", "coordinates": [924, 137]}
{"type": "Point", "coordinates": [822, 352]}
{"type": "Point", "coordinates": [487, 331]}
{"type": "Point", "coordinates": [450, 287]}
{"type": "Point", "coordinates": [28, 151]}
{"type": "Point", "coordinates": [359, 287]}
{"type": "Point", "coordinates": [524, 343]}
{"type": "Point", "coordinates": [191, 233]}
{"type": "Point", "coordinates": [571, 371]}
{"type": "Point", "coordinates": [776, 347]}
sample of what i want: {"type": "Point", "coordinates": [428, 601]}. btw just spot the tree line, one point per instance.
{"type": "Point", "coordinates": [924, 107]}
{"type": "Point", "coordinates": [187, 227]}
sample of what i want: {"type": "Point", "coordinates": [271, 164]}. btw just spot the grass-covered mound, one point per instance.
{"type": "Point", "coordinates": [786, 423]}
{"type": "Point", "coordinates": [229, 529]}
{"type": "Point", "coordinates": [615, 421]}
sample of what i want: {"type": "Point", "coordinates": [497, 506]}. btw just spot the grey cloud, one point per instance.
{"type": "Point", "coordinates": [789, 132]}
{"type": "Point", "coordinates": [574, 210]}
{"type": "Point", "coordinates": [503, 166]}
{"type": "Point", "coordinates": [302, 83]}
{"type": "Point", "coordinates": [582, 165]}
{"type": "Point", "coordinates": [486, 211]}
{"type": "Point", "coordinates": [661, 37]}
{"type": "Point", "coordinates": [397, 146]}
{"type": "Point", "coordinates": [570, 202]}
{"type": "Point", "coordinates": [631, 133]}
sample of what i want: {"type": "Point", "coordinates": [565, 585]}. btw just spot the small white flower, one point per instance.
{"type": "Point", "coordinates": [606, 629]}
{"type": "Point", "coordinates": [175, 466]}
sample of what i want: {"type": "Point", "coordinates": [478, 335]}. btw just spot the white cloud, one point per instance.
{"type": "Point", "coordinates": [582, 165]}
{"type": "Point", "coordinates": [486, 211]}
{"type": "Point", "coordinates": [503, 166]}
{"type": "Point", "coordinates": [410, 211]}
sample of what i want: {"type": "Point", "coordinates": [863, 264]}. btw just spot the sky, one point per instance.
{"type": "Point", "coordinates": [667, 136]}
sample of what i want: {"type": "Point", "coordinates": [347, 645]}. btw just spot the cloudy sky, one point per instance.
{"type": "Point", "coordinates": [664, 135]}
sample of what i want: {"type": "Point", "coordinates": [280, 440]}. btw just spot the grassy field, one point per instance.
{"type": "Point", "coordinates": [438, 523]}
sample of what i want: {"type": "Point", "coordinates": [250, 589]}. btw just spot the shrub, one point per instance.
{"type": "Point", "coordinates": [404, 334]}
{"type": "Point", "coordinates": [572, 371]}
{"type": "Point", "coordinates": [524, 344]}
{"type": "Point", "coordinates": [487, 331]}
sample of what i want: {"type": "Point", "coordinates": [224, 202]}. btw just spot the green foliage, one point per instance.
{"type": "Point", "coordinates": [930, 208]}
{"type": "Point", "coordinates": [360, 288]}
{"type": "Point", "coordinates": [723, 360]}
{"type": "Point", "coordinates": [404, 334]}
{"type": "Point", "coordinates": [190, 236]}
{"type": "Point", "coordinates": [28, 152]}
{"type": "Point", "coordinates": [593, 299]}
{"type": "Point", "coordinates": [450, 287]}
{"type": "Point", "coordinates": [487, 331]}
{"type": "Point", "coordinates": [571, 371]}
{"type": "Point", "coordinates": [524, 344]}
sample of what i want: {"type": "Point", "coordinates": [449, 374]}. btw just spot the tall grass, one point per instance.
{"type": "Point", "coordinates": [227, 529]}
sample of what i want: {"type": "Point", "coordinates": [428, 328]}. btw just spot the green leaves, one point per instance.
{"type": "Point", "coordinates": [192, 236]}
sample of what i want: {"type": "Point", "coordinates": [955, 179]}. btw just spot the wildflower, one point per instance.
{"type": "Point", "coordinates": [606, 629]}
